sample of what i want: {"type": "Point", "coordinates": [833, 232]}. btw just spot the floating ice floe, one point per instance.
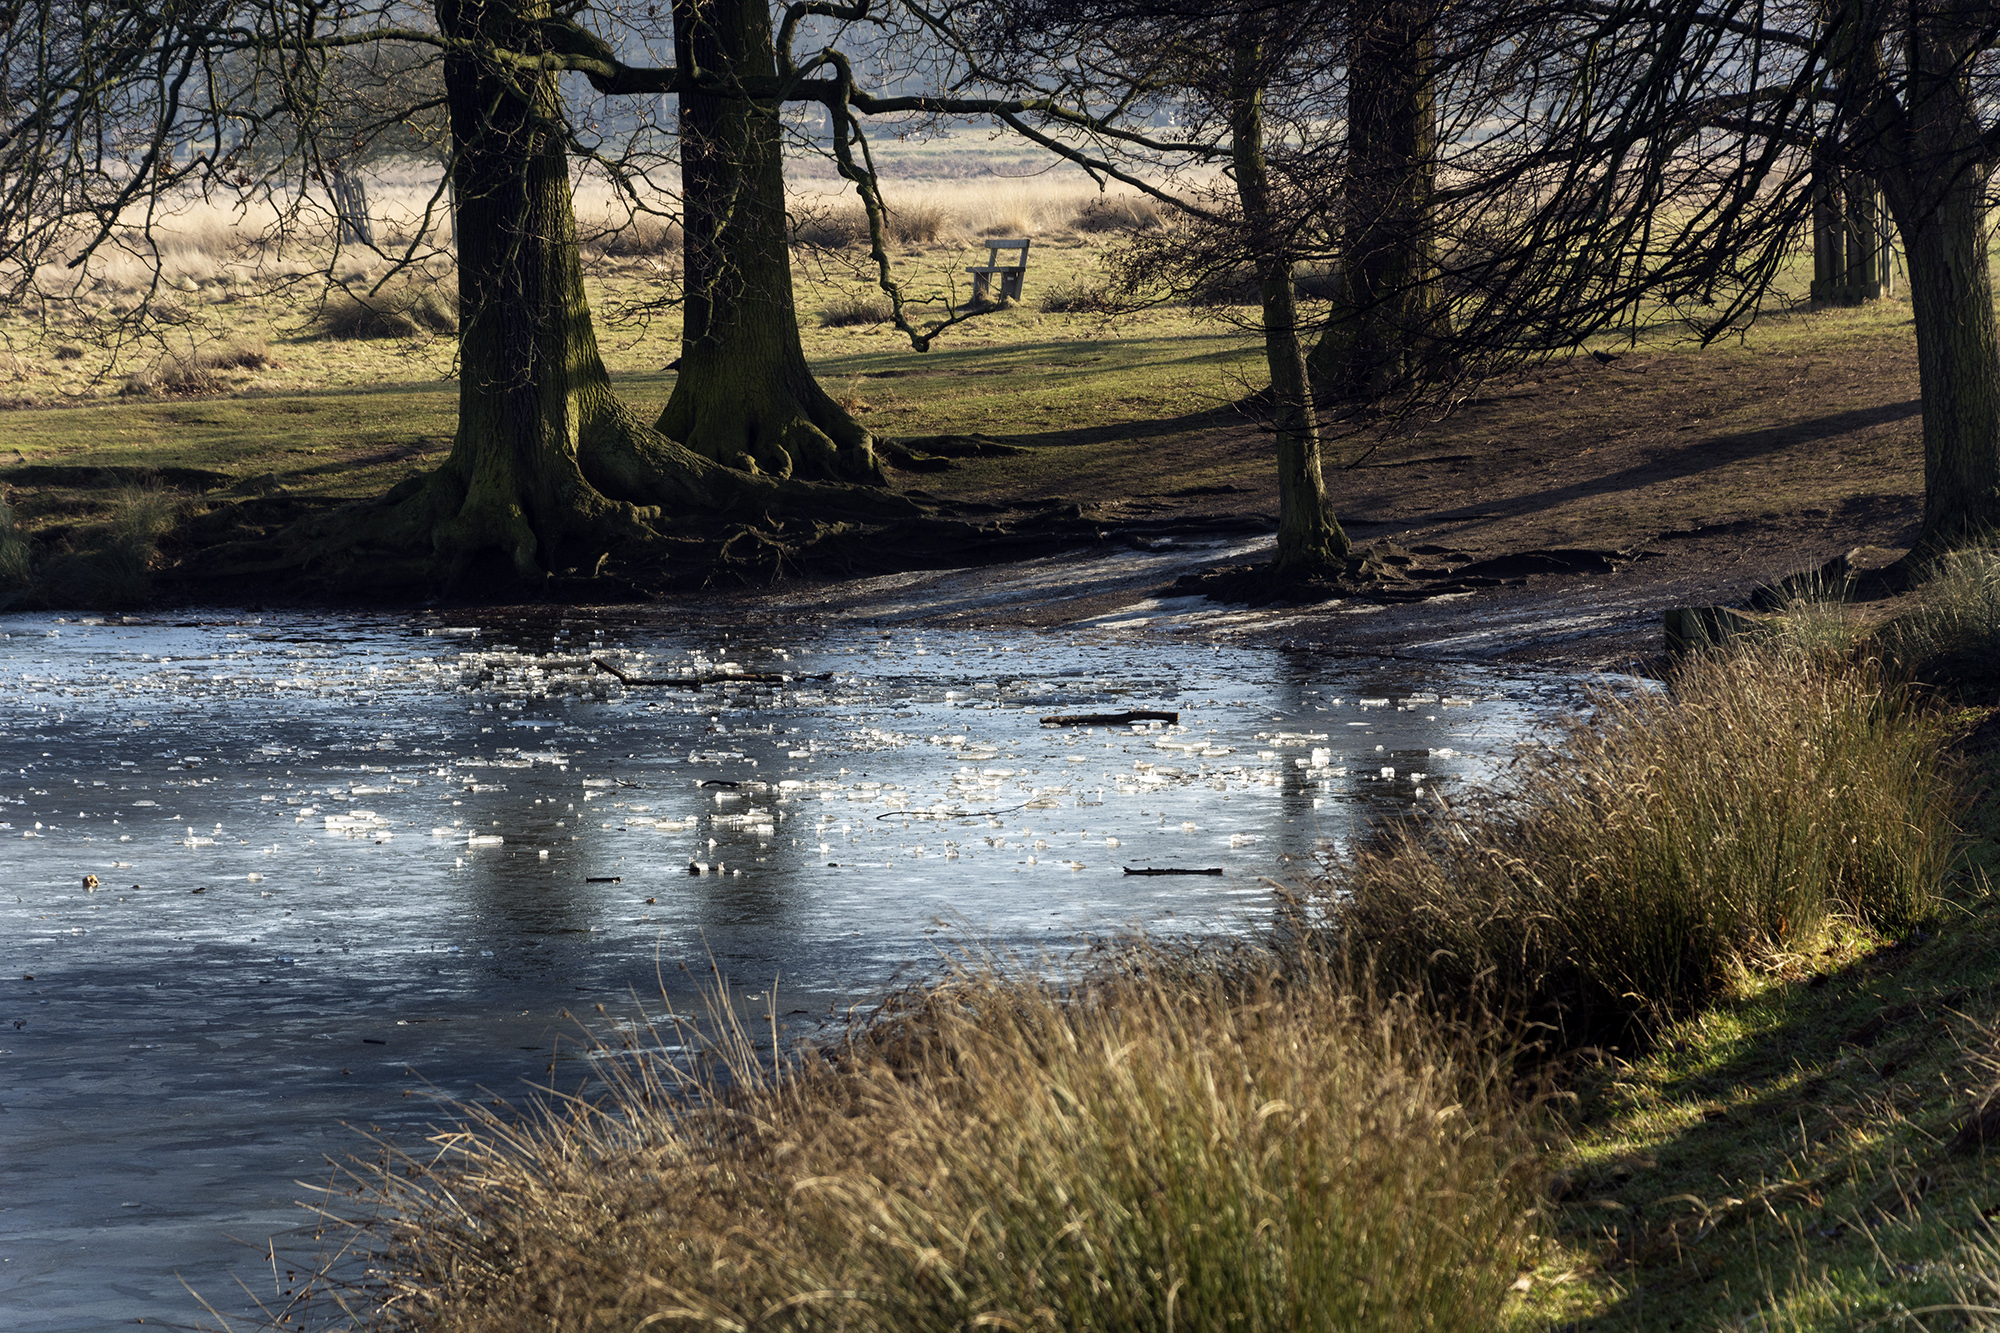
{"type": "Point", "coordinates": [356, 823]}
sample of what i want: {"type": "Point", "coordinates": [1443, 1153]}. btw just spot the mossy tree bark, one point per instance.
{"type": "Point", "coordinates": [1932, 157]}
{"type": "Point", "coordinates": [1384, 317]}
{"type": "Point", "coordinates": [1943, 225]}
{"type": "Point", "coordinates": [549, 471]}
{"type": "Point", "coordinates": [1310, 539]}
{"type": "Point", "coordinates": [745, 396]}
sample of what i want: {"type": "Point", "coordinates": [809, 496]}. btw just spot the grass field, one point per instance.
{"type": "Point", "coordinates": [249, 384]}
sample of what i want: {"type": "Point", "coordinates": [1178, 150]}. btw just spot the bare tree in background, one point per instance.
{"type": "Point", "coordinates": [1654, 163]}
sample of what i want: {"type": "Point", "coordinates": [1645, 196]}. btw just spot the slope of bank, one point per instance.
{"type": "Point", "coordinates": [1553, 519]}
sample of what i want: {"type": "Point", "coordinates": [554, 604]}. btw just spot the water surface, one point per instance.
{"type": "Point", "coordinates": [346, 863]}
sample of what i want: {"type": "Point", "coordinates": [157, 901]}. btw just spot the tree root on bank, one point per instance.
{"type": "Point", "coordinates": [935, 453]}
{"type": "Point", "coordinates": [720, 527]}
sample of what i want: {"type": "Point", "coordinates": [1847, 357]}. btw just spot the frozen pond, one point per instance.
{"type": "Point", "coordinates": [340, 861]}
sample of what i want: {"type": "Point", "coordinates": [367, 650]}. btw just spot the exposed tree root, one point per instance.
{"type": "Point", "coordinates": [637, 516]}
{"type": "Point", "coordinates": [627, 497]}
{"type": "Point", "coordinates": [788, 430]}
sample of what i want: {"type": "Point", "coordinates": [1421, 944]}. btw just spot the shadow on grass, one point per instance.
{"type": "Point", "coordinates": [1698, 455]}
{"type": "Point", "coordinates": [1787, 1152]}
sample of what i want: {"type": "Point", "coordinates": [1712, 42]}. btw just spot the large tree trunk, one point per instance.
{"type": "Point", "coordinates": [745, 396]}
{"type": "Point", "coordinates": [1958, 359]}
{"type": "Point", "coordinates": [1377, 330]}
{"type": "Point", "coordinates": [1310, 539]}
{"type": "Point", "coordinates": [549, 472]}
{"type": "Point", "coordinates": [1933, 171]}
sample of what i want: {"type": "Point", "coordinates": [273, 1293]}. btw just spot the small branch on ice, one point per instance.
{"type": "Point", "coordinates": [1108, 719]}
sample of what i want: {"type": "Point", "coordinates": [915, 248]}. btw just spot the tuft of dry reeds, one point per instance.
{"type": "Point", "coordinates": [1665, 842]}
{"type": "Point", "coordinates": [836, 224]}
{"type": "Point", "coordinates": [407, 307]}
{"type": "Point", "coordinates": [205, 369]}
{"type": "Point", "coordinates": [1080, 299]}
{"type": "Point", "coordinates": [854, 311]}
{"type": "Point", "coordinates": [946, 211]}
{"type": "Point", "coordinates": [636, 236]}
{"type": "Point", "coordinates": [1171, 1146]}
{"type": "Point", "coordinates": [1119, 213]}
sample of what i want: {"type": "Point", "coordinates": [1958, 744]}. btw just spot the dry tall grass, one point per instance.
{"type": "Point", "coordinates": [406, 307]}
{"type": "Point", "coordinates": [1666, 842]}
{"type": "Point", "coordinates": [934, 211]}
{"type": "Point", "coordinates": [1186, 1149]}
{"type": "Point", "coordinates": [1955, 634]}
{"type": "Point", "coordinates": [201, 368]}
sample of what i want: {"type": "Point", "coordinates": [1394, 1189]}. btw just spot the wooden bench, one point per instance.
{"type": "Point", "coordinates": [1010, 274]}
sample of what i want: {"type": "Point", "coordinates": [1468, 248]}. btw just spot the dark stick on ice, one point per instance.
{"type": "Point", "coordinates": [1164, 870]}
{"type": "Point", "coordinates": [696, 682]}
{"type": "Point", "coordinates": [1108, 719]}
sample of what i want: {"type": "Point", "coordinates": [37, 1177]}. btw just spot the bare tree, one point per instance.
{"type": "Point", "coordinates": [549, 470]}
{"type": "Point", "coordinates": [1252, 85]}
{"type": "Point", "coordinates": [1643, 159]}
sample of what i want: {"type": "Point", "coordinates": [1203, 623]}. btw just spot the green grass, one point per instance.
{"type": "Point", "coordinates": [334, 419]}
{"type": "Point", "coordinates": [1781, 1160]}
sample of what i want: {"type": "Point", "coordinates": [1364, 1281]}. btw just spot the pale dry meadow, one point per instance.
{"type": "Point", "coordinates": [232, 297]}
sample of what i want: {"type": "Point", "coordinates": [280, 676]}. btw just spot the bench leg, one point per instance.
{"type": "Point", "coordinates": [979, 288]}
{"type": "Point", "coordinates": [1010, 284]}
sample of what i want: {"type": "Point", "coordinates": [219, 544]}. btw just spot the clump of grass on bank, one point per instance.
{"type": "Point", "coordinates": [14, 552]}
{"type": "Point", "coordinates": [1954, 636]}
{"type": "Point", "coordinates": [1185, 1148]}
{"type": "Point", "coordinates": [109, 564]}
{"type": "Point", "coordinates": [1666, 843]}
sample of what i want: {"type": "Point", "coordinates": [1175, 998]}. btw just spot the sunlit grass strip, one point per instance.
{"type": "Point", "coordinates": [1667, 840]}
{"type": "Point", "coordinates": [1198, 1149]}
